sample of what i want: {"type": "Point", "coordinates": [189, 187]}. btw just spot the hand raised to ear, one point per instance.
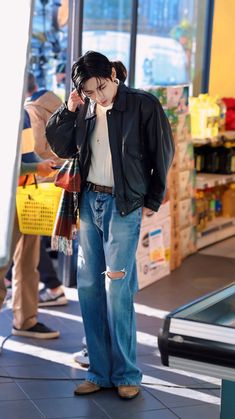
{"type": "Point", "coordinates": [74, 101]}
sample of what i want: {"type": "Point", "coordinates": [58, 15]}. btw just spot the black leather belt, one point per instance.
{"type": "Point", "coordinates": [99, 188]}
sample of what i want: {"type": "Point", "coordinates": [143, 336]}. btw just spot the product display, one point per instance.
{"type": "Point", "coordinates": [215, 166]}
{"type": "Point", "coordinates": [182, 176]}
{"type": "Point", "coordinates": [201, 183]}
{"type": "Point", "coordinates": [153, 252]}
{"type": "Point", "coordinates": [205, 116]}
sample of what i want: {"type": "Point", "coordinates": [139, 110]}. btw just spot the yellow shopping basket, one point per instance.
{"type": "Point", "coordinates": [37, 207]}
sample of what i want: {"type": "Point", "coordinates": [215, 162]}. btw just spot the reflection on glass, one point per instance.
{"type": "Point", "coordinates": [49, 44]}
{"type": "Point", "coordinates": [166, 42]}
{"type": "Point", "coordinates": [106, 28]}
{"type": "Point", "coordinates": [218, 308]}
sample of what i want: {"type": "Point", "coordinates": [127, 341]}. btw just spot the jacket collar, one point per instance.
{"type": "Point", "coordinates": [121, 97]}
{"type": "Point", "coordinates": [119, 102]}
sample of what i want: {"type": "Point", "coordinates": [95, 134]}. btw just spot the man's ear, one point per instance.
{"type": "Point", "coordinates": [113, 74]}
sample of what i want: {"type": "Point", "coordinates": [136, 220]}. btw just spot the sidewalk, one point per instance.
{"type": "Point", "coordinates": [37, 378]}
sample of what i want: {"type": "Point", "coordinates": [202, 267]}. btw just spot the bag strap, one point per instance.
{"type": "Point", "coordinates": [26, 179]}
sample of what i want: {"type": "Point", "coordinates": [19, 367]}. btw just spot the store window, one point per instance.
{"type": "Point", "coordinates": [107, 27]}
{"type": "Point", "coordinates": [166, 42]}
{"type": "Point", "coordinates": [48, 52]}
{"type": "Point", "coordinates": [161, 42]}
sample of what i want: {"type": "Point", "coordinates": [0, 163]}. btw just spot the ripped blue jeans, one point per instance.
{"type": "Point", "coordinates": [107, 243]}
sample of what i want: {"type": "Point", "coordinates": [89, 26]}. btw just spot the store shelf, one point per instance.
{"type": "Point", "coordinates": [227, 135]}
{"type": "Point", "coordinates": [210, 180]}
{"type": "Point", "coordinates": [218, 229]}
{"type": "Point", "coordinates": [203, 141]}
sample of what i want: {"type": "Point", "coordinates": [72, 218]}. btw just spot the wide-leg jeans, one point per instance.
{"type": "Point", "coordinates": [107, 242]}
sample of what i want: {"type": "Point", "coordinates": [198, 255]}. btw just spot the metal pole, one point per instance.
{"type": "Point", "coordinates": [134, 22]}
{"type": "Point", "coordinates": [67, 264]}
{"type": "Point", "coordinates": [74, 48]}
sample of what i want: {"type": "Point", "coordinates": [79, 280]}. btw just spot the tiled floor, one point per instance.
{"type": "Point", "coordinates": [37, 378]}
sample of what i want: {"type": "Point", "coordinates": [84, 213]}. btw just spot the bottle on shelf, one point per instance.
{"type": "Point", "coordinates": [218, 201]}
{"type": "Point", "coordinates": [227, 158]}
{"type": "Point", "coordinates": [200, 157]}
{"type": "Point", "coordinates": [222, 116]}
{"type": "Point", "coordinates": [212, 158]}
{"type": "Point", "coordinates": [228, 201]}
{"type": "Point", "coordinates": [200, 211]}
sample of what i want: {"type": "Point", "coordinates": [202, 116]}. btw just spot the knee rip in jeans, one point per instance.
{"type": "Point", "coordinates": [116, 275]}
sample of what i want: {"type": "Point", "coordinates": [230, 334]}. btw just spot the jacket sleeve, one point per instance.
{"type": "Point", "coordinates": [27, 168]}
{"type": "Point", "coordinates": [160, 153]}
{"type": "Point", "coordinates": [60, 132]}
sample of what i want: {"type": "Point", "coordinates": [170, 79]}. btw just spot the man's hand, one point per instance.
{"type": "Point", "coordinates": [146, 211]}
{"type": "Point", "coordinates": [44, 168]}
{"type": "Point", "coordinates": [74, 101]}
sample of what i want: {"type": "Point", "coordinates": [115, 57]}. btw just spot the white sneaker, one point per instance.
{"type": "Point", "coordinates": [82, 358]}
{"type": "Point", "coordinates": [48, 298]}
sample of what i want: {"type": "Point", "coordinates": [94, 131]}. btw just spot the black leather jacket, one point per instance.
{"type": "Point", "coordinates": [140, 139]}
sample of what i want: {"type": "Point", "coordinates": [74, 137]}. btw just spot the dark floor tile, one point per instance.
{"type": "Point", "coordinates": [47, 389]}
{"type": "Point", "coordinates": [149, 414]}
{"type": "Point", "coordinates": [20, 409]}
{"type": "Point", "coordinates": [115, 406]}
{"type": "Point", "coordinates": [49, 371]}
{"type": "Point", "coordinates": [54, 399]}
{"type": "Point", "coordinates": [74, 373]}
{"type": "Point", "coordinates": [148, 362]}
{"type": "Point", "coordinates": [13, 359]}
{"type": "Point", "coordinates": [11, 391]}
{"type": "Point", "coordinates": [188, 282]}
{"type": "Point", "coordinates": [4, 376]}
{"type": "Point", "coordinates": [168, 377]}
{"type": "Point", "coordinates": [70, 407]}
{"type": "Point", "coordinates": [181, 397]}
{"type": "Point", "coordinates": [206, 411]}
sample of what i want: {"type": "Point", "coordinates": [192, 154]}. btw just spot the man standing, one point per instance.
{"type": "Point", "coordinates": [26, 249]}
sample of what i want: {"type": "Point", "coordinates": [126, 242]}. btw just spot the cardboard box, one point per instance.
{"type": "Point", "coordinates": [188, 237]}
{"type": "Point", "coordinates": [187, 180]}
{"type": "Point", "coordinates": [153, 218]}
{"type": "Point", "coordinates": [172, 96]}
{"type": "Point", "coordinates": [153, 253]}
{"type": "Point", "coordinates": [185, 155]}
{"type": "Point", "coordinates": [183, 129]}
{"type": "Point", "coordinates": [187, 213]}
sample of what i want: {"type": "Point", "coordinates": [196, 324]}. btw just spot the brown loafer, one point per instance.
{"type": "Point", "coordinates": [128, 392]}
{"type": "Point", "coordinates": [86, 388]}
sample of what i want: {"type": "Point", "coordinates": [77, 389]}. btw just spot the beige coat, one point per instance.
{"type": "Point", "coordinates": [40, 111]}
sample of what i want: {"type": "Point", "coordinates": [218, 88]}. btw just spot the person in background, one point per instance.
{"type": "Point", "coordinates": [60, 78]}
{"type": "Point", "coordinates": [82, 357]}
{"type": "Point", "coordinates": [40, 104]}
{"type": "Point", "coordinates": [125, 150]}
{"type": "Point", "coordinates": [26, 250]}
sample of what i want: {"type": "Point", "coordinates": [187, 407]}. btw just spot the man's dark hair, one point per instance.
{"type": "Point", "coordinates": [121, 70]}
{"type": "Point", "coordinates": [91, 64]}
{"type": "Point", "coordinates": [31, 82]}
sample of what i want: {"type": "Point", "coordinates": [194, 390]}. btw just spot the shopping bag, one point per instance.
{"type": "Point", "coordinates": [37, 207]}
